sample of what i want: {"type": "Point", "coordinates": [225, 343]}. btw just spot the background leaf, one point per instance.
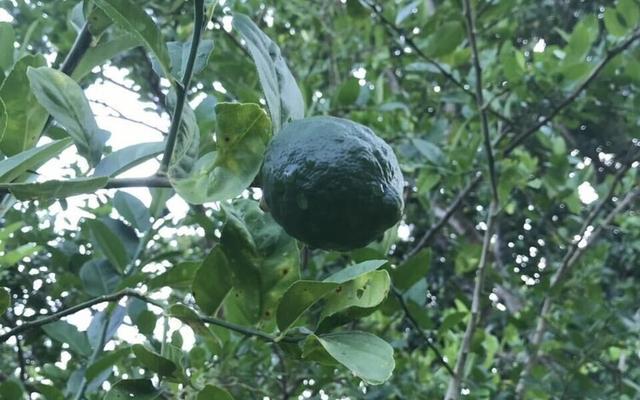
{"type": "Point", "coordinates": [278, 84]}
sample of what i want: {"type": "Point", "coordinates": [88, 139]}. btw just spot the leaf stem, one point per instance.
{"type": "Point", "coordinates": [183, 87]}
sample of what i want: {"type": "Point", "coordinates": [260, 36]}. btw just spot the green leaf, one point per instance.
{"type": "Point", "coordinates": [7, 38]}
{"type": "Point", "coordinates": [105, 362]}
{"type": "Point", "coordinates": [278, 84]}
{"type": "Point", "coordinates": [412, 270]}
{"type": "Point", "coordinates": [630, 12]}
{"type": "Point", "coordinates": [128, 157]}
{"type": "Point", "coordinates": [354, 271]}
{"type": "Point", "coordinates": [133, 210]}
{"type": "Point", "coordinates": [56, 189]}
{"type": "Point", "coordinates": [179, 276]}
{"type": "Point", "coordinates": [366, 291]}
{"type": "Point", "coordinates": [139, 389]}
{"type": "Point", "coordinates": [189, 317]}
{"type": "Point", "coordinates": [3, 118]}
{"type": "Point", "coordinates": [12, 257]}
{"type": "Point", "coordinates": [407, 11]}
{"type": "Point", "coordinates": [26, 117]}
{"type": "Point", "coordinates": [584, 34]}
{"type": "Point", "coordinates": [179, 53]}
{"type": "Point", "coordinates": [429, 150]}
{"type": "Point", "coordinates": [154, 361]}
{"type": "Point", "coordinates": [64, 332]}
{"type": "Point", "coordinates": [298, 298]}
{"type": "Point", "coordinates": [211, 392]}
{"type": "Point", "coordinates": [5, 300]}
{"type": "Point", "coordinates": [186, 150]}
{"type": "Point", "coordinates": [64, 99]}
{"type": "Point", "coordinates": [212, 282]}
{"type": "Point", "coordinates": [109, 243]}
{"type": "Point", "coordinates": [11, 389]}
{"type": "Point", "coordinates": [12, 167]}
{"type": "Point", "coordinates": [99, 277]}
{"type": "Point", "coordinates": [242, 138]}
{"type": "Point", "coordinates": [132, 17]}
{"type": "Point", "coordinates": [103, 52]}
{"type": "Point", "coordinates": [445, 39]}
{"type": "Point", "coordinates": [367, 356]}
{"type": "Point", "coordinates": [348, 92]}
{"type": "Point", "coordinates": [614, 22]}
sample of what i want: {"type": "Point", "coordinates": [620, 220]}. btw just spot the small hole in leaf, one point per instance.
{"type": "Point", "coordinates": [339, 289]}
{"type": "Point", "coordinates": [359, 293]}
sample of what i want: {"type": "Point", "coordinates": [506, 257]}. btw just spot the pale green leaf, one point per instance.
{"type": "Point", "coordinates": [242, 137]}
{"type": "Point", "coordinates": [64, 99]}
{"type": "Point", "coordinates": [281, 91]}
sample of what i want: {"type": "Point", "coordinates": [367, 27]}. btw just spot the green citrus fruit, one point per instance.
{"type": "Point", "coordinates": [332, 183]}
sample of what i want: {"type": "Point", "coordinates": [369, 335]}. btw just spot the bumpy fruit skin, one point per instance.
{"type": "Point", "coordinates": [332, 183]}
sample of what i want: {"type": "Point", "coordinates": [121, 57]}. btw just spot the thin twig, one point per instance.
{"type": "Point", "coordinates": [574, 252]}
{"type": "Point", "coordinates": [428, 339]}
{"type": "Point", "coordinates": [453, 207]}
{"type": "Point", "coordinates": [391, 27]}
{"type": "Point", "coordinates": [453, 390]}
{"type": "Point", "coordinates": [611, 54]}
{"type": "Point", "coordinates": [118, 114]}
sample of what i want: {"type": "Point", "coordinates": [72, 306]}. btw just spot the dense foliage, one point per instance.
{"type": "Point", "coordinates": [514, 270]}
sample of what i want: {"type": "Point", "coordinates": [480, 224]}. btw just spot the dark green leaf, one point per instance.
{"type": "Point", "coordinates": [133, 210]}
{"type": "Point", "coordinates": [109, 243]}
{"type": "Point", "coordinates": [103, 52]}
{"type": "Point", "coordinates": [212, 282]}
{"type": "Point", "coordinates": [105, 362]}
{"type": "Point", "coordinates": [412, 270]}
{"type": "Point", "coordinates": [445, 39]}
{"type": "Point", "coordinates": [154, 361]}
{"type": "Point", "coordinates": [211, 392]}
{"type": "Point", "coordinates": [5, 300]}
{"type": "Point", "coordinates": [99, 277]}
{"type": "Point", "coordinates": [127, 389]}
{"type": "Point", "coordinates": [179, 53]}
{"type": "Point", "coordinates": [64, 332]}
{"type": "Point", "coordinates": [179, 276]}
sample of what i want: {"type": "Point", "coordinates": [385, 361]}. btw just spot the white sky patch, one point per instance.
{"type": "Point", "coordinates": [5, 16]}
{"type": "Point", "coordinates": [359, 73]}
{"type": "Point", "coordinates": [540, 46]}
{"type": "Point", "coordinates": [587, 193]}
{"type": "Point", "coordinates": [227, 23]}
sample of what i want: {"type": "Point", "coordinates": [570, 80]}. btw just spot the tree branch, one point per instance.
{"type": "Point", "coordinates": [453, 390]}
{"type": "Point", "coordinates": [183, 88]}
{"type": "Point", "coordinates": [453, 207]}
{"type": "Point", "coordinates": [611, 54]}
{"type": "Point", "coordinates": [391, 27]}
{"type": "Point", "coordinates": [250, 332]}
{"type": "Point", "coordinates": [571, 257]}
{"type": "Point", "coordinates": [428, 339]}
